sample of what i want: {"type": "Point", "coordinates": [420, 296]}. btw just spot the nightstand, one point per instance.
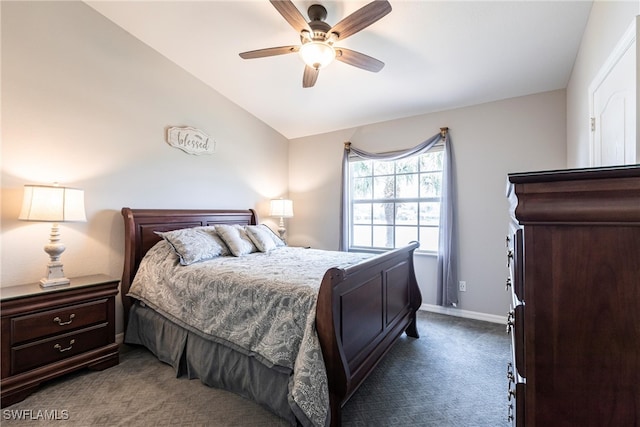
{"type": "Point", "coordinates": [50, 332]}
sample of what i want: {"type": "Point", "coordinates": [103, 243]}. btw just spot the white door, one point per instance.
{"type": "Point", "coordinates": [614, 106]}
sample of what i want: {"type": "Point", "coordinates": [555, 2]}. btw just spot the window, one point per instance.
{"type": "Point", "coordinates": [394, 202]}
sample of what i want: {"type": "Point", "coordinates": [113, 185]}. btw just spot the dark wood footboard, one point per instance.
{"type": "Point", "coordinates": [362, 310]}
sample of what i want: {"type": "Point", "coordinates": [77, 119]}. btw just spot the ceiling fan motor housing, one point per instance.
{"type": "Point", "coordinates": [317, 14]}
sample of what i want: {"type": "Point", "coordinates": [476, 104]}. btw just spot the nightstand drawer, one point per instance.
{"type": "Point", "coordinates": [43, 352]}
{"type": "Point", "coordinates": [60, 320]}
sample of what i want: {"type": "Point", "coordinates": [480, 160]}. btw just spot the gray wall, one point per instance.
{"type": "Point", "coordinates": [489, 140]}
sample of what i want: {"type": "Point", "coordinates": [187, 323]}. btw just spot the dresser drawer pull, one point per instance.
{"type": "Point", "coordinates": [510, 416]}
{"type": "Point", "coordinates": [511, 394]}
{"type": "Point", "coordinates": [510, 375]}
{"type": "Point", "coordinates": [508, 285]}
{"type": "Point", "coordinates": [61, 323]}
{"type": "Point", "coordinates": [62, 350]}
{"type": "Point", "coordinates": [510, 317]}
{"type": "Point", "coordinates": [509, 257]}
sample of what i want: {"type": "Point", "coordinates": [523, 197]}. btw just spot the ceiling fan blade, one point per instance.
{"type": "Point", "coordinates": [310, 76]}
{"type": "Point", "coordinates": [358, 59]}
{"type": "Point", "coordinates": [361, 18]}
{"type": "Point", "coordinates": [270, 51]}
{"type": "Point", "coordinates": [291, 14]}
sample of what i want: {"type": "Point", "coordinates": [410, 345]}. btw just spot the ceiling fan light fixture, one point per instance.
{"type": "Point", "coordinates": [317, 54]}
{"type": "Point", "coordinates": [317, 37]}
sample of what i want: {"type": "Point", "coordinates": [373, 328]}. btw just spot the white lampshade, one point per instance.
{"type": "Point", "coordinates": [282, 208]}
{"type": "Point", "coordinates": [317, 54]}
{"type": "Point", "coordinates": [52, 203]}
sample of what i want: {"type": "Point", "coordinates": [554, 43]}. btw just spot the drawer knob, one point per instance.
{"type": "Point", "coordinates": [509, 257]}
{"type": "Point", "coordinates": [62, 350]}
{"type": "Point", "coordinates": [61, 323]}
{"type": "Point", "coordinates": [508, 284]}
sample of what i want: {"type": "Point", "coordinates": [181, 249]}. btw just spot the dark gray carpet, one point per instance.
{"type": "Point", "coordinates": [454, 375]}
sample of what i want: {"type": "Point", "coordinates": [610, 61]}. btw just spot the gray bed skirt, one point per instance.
{"type": "Point", "coordinates": [215, 364]}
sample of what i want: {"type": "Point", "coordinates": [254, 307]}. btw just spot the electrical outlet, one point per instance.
{"type": "Point", "coordinates": [462, 286]}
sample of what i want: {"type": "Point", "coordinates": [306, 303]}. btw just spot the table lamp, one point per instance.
{"type": "Point", "coordinates": [282, 208]}
{"type": "Point", "coordinates": [53, 204]}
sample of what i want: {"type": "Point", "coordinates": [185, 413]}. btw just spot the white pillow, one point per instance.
{"type": "Point", "coordinates": [236, 239]}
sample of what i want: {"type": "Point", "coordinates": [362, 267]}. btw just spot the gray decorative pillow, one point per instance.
{"type": "Point", "coordinates": [194, 244]}
{"type": "Point", "coordinates": [261, 238]}
{"type": "Point", "coordinates": [277, 240]}
{"type": "Point", "coordinates": [236, 239]}
{"type": "Point", "coordinates": [266, 232]}
{"type": "Point", "coordinates": [211, 231]}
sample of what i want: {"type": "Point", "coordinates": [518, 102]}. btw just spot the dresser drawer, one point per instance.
{"type": "Point", "coordinates": [517, 336]}
{"type": "Point", "coordinates": [57, 321]}
{"type": "Point", "coordinates": [515, 263]}
{"type": "Point", "coordinates": [518, 265]}
{"type": "Point", "coordinates": [39, 353]}
{"type": "Point", "coordinates": [516, 404]}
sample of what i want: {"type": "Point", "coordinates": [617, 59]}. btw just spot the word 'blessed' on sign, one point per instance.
{"type": "Point", "coordinates": [191, 140]}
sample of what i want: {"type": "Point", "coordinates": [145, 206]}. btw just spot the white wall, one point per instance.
{"type": "Point", "coordinates": [489, 140]}
{"type": "Point", "coordinates": [86, 104]}
{"type": "Point", "coordinates": [607, 23]}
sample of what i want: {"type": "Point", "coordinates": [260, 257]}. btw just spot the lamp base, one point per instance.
{"type": "Point", "coordinates": [283, 234]}
{"type": "Point", "coordinates": [46, 283]}
{"type": "Point", "coordinates": [55, 276]}
{"type": "Point", "coordinates": [282, 231]}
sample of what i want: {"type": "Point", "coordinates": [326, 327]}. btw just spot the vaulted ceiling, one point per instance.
{"type": "Point", "coordinates": [438, 55]}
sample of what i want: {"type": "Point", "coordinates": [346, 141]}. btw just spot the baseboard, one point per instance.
{"type": "Point", "coordinates": [494, 318]}
{"type": "Point", "coordinates": [120, 338]}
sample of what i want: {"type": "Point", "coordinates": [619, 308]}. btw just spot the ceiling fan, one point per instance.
{"type": "Point", "coordinates": [318, 37]}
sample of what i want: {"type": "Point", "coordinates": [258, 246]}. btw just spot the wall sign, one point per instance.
{"type": "Point", "coordinates": [190, 140]}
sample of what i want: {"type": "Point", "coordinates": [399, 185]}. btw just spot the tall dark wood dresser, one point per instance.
{"type": "Point", "coordinates": [574, 277]}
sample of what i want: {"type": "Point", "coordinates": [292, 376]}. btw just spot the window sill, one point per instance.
{"type": "Point", "coordinates": [420, 253]}
{"type": "Point", "coordinates": [432, 254]}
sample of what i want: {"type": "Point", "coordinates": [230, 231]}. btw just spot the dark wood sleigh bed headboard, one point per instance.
{"type": "Point", "coordinates": [140, 226]}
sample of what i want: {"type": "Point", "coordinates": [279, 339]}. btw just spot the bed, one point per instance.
{"type": "Point", "coordinates": [360, 309]}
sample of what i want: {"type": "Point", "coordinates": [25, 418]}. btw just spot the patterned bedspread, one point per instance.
{"type": "Point", "coordinates": [261, 304]}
